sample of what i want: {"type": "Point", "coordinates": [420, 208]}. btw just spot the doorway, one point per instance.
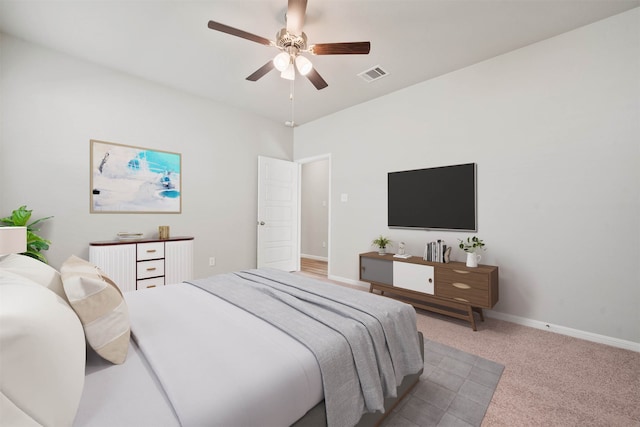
{"type": "Point", "coordinates": [315, 208]}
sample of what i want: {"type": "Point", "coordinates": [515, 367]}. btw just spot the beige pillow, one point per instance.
{"type": "Point", "coordinates": [42, 355]}
{"type": "Point", "coordinates": [100, 307]}
{"type": "Point", "coordinates": [38, 271]}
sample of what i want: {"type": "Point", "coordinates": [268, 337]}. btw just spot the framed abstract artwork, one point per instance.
{"type": "Point", "coordinates": [128, 179]}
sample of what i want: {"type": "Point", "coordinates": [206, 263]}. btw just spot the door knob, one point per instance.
{"type": "Point", "coordinates": [261, 223]}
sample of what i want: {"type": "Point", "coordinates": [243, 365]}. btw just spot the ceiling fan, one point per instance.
{"type": "Point", "coordinates": [293, 42]}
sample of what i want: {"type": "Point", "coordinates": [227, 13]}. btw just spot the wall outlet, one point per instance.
{"type": "Point", "coordinates": [212, 261]}
{"type": "Point", "coordinates": [324, 244]}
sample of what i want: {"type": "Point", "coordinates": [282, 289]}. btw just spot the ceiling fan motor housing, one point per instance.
{"type": "Point", "coordinates": [285, 40]}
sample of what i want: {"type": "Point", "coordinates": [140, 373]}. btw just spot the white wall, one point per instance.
{"type": "Point", "coordinates": [555, 131]}
{"type": "Point", "coordinates": [314, 205]}
{"type": "Point", "coordinates": [52, 105]}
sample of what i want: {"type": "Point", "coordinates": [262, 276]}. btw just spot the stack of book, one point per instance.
{"type": "Point", "coordinates": [437, 252]}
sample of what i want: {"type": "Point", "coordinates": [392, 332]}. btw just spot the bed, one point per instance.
{"type": "Point", "coordinates": [259, 347]}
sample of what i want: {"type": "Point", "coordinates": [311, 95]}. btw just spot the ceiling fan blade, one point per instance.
{"type": "Point", "coordinates": [350, 48]}
{"type": "Point", "coordinates": [316, 79]}
{"type": "Point", "coordinates": [261, 71]}
{"type": "Point", "coordinates": [296, 10]}
{"type": "Point", "coordinates": [238, 33]}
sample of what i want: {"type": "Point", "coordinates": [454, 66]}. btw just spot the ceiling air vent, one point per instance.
{"type": "Point", "coordinates": [372, 74]}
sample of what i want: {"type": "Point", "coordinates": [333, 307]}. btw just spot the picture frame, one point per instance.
{"type": "Point", "coordinates": [131, 179]}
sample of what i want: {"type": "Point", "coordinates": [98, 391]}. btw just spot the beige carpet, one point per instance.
{"type": "Point", "coordinates": [549, 379]}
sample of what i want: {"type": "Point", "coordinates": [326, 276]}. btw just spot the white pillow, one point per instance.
{"type": "Point", "coordinates": [38, 271]}
{"type": "Point", "coordinates": [42, 355]}
{"type": "Point", "coordinates": [100, 306]}
{"type": "Point", "coordinates": [14, 416]}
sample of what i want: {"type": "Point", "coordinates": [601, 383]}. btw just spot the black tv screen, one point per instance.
{"type": "Point", "coordinates": [442, 198]}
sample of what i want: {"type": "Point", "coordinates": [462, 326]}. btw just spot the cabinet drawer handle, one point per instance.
{"type": "Point", "coordinates": [150, 251]}
{"type": "Point", "coordinates": [461, 285]}
{"type": "Point", "coordinates": [430, 280]}
{"type": "Point", "coordinates": [151, 286]}
{"type": "Point", "coordinates": [151, 269]}
{"type": "Point", "coordinates": [461, 299]}
{"type": "Point", "coordinates": [461, 271]}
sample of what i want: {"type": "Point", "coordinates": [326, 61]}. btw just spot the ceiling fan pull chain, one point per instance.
{"type": "Point", "coordinates": [292, 123]}
{"type": "Point", "coordinates": [293, 89]}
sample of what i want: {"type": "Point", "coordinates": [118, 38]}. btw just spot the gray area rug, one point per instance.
{"type": "Point", "coordinates": [454, 390]}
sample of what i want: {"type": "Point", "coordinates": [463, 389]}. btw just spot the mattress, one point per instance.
{"type": "Point", "coordinates": [250, 349]}
{"type": "Point", "coordinates": [253, 374]}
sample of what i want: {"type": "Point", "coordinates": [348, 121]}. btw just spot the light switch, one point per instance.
{"type": "Point", "coordinates": [344, 197]}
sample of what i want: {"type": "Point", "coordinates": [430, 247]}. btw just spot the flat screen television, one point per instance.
{"type": "Point", "coordinates": [439, 198]}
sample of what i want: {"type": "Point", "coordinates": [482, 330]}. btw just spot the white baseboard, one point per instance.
{"type": "Point", "coordinates": [314, 257]}
{"type": "Point", "coordinates": [357, 283]}
{"type": "Point", "coordinates": [563, 330]}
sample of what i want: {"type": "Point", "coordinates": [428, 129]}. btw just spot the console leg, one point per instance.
{"type": "Point", "coordinates": [472, 319]}
{"type": "Point", "coordinates": [479, 311]}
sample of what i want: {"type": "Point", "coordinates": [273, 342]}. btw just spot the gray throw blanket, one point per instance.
{"type": "Point", "coordinates": [365, 344]}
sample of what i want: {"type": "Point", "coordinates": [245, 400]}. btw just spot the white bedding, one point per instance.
{"type": "Point", "coordinates": [261, 377]}
{"type": "Point", "coordinates": [364, 344]}
{"type": "Point", "coordinates": [253, 348]}
{"type": "Point", "coordinates": [124, 395]}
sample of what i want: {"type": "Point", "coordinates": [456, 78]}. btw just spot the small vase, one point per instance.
{"type": "Point", "coordinates": [473, 259]}
{"type": "Point", "coordinates": [382, 251]}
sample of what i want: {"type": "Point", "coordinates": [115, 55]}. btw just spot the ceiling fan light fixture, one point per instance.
{"type": "Point", "coordinates": [291, 42]}
{"type": "Point", "coordinates": [303, 64]}
{"type": "Point", "coordinates": [289, 73]}
{"type": "Point", "coordinates": [282, 61]}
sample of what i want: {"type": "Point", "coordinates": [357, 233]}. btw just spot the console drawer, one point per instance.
{"type": "Point", "coordinates": [153, 250]}
{"type": "Point", "coordinates": [150, 283]}
{"type": "Point", "coordinates": [471, 278]}
{"type": "Point", "coordinates": [464, 286]}
{"type": "Point", "coordinates": [463, 292]}
{"type": "Point", "coordinates": [154, 268]}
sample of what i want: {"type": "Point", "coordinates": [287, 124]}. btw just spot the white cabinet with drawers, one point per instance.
{"type": "Point", "coordinates": [144, 263]}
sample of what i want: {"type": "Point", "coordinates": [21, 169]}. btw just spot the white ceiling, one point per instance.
{"type": "Point", "coordinates": [168, 42]}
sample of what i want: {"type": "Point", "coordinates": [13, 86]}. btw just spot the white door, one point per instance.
{"type": "Point", "coordinates": [278, 214]}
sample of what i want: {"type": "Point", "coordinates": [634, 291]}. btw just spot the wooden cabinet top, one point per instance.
{"type": "Point", "coordinates": [141, 240]}
{"type": "Point", "coordinates": [481, 268]}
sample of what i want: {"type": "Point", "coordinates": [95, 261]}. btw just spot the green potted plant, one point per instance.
{"type": "Point", "coordinates": [35, 243]}
{"type": "Point", "coordinates": [381, 243]}
{"type": "Point", "coordinates": [470, 246]}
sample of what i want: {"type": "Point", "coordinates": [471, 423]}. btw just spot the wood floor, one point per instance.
{"type": "Point", "coordinates": [313, 266]}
